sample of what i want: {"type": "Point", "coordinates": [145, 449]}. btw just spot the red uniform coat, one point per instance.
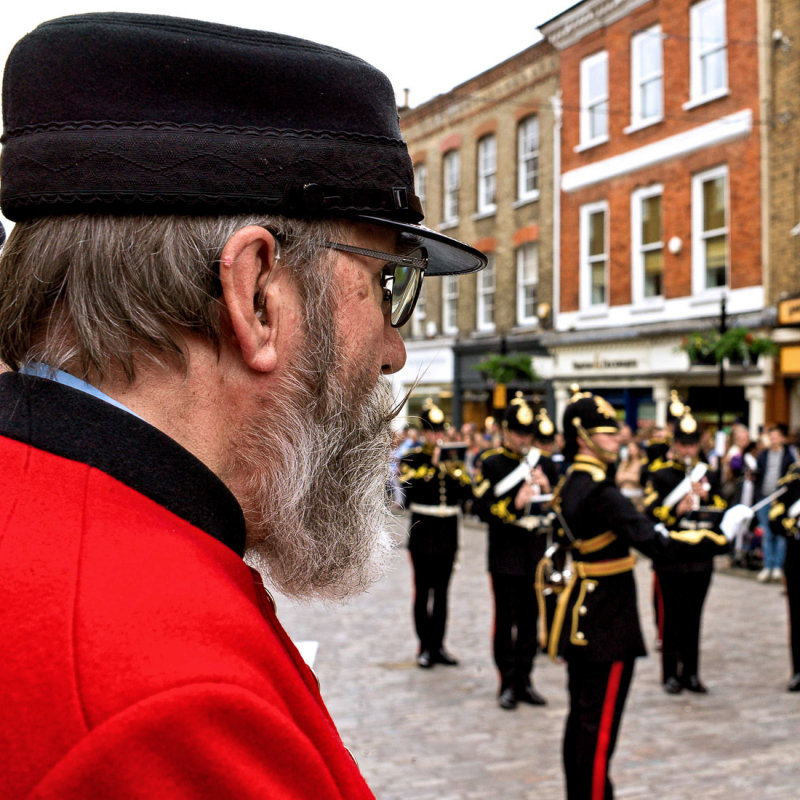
{"type": "Point", "coordinates": [140, 656]}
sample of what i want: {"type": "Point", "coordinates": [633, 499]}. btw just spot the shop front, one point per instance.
{"type": "Point", "coordinates": [478, 395]}
{"type": "Point", "coordinates": [428, 372]}
{"type": "Point", "coordinates": [637, 376]}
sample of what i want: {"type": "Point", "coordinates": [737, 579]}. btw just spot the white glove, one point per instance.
{"type": "Point", "coordinates": [734, 519]}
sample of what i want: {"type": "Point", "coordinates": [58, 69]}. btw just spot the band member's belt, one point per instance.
{"type": "Point", "coordinates": [533, 521]}
{"type": "Point", "coordinates": [583, 572]}
{"type": "Point", "coordinates": [584, 546]}
{"type": "Point", "coordinates": [434, 511]}
{"type": "Point", "coordinates": [695, 524]}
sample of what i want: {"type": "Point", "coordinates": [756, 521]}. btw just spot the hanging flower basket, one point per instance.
{"type": "Point", "coordinates": [500, 370]}
{"type": "Point", "coordinates": [509, 368]}
{"type": "Point", "coordinates": [738, 345]}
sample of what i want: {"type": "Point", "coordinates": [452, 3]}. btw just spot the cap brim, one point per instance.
{"type": "Point", "coordinates": [446, 256]}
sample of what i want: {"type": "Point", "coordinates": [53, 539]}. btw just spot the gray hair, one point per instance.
{"type": "Point", "coordinates": [95, 293]}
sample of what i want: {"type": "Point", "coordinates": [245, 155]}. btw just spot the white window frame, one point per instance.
{"type": "Point", "coordinates": [639, 248]}
{"type": "Point", "coordinates": [449, 304]}
{"type": "Point", "coordinates": [486, 296]}
{"type": "Point", "coordinates": [527, 278]}
{"type": "Point", "coordinates": [586, 262]}
{"type": "Point", "coordinates": [528, 157]}
{"type": "Point", "coordinates": [639, 78]}
{"type": "Point", "coordinates": [593, 106]}
{"type": "Point", "coordinates": [699, 235]}
{"type": "Point", "coordinates": [421, 182]}
{"type": "Point", "coordinates": [451, 184]}
{"type": "Point", "coordinates": [701, 47]}
{"type": "Point", "coordinates": [487, 174]}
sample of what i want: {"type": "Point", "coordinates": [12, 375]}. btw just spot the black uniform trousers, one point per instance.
{"type": "Point", "coordinates": [597, 692]}
{"type": "Point", "coordinates": [432, 569]}
{"type": "Point", "coordinates": [683, 594]}
{"type": "Point", "coordinates": [791, 569]}
{"type": "Point", "coordinates": [515, 638]}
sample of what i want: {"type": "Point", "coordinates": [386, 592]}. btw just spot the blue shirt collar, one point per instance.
{"type": "Point", "coordinates": [40, 370]}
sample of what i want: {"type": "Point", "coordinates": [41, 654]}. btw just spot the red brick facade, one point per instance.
{"type": "Point", "coordinates": [741, 156]}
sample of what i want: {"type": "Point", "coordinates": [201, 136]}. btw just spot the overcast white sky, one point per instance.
{"type": "Point", "coordinates": [427, 46]}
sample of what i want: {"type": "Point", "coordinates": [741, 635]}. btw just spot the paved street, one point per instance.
{"type": "Point", "coordinates": [425, 734]}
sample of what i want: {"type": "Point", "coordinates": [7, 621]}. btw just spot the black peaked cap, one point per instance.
{"type": "Point", "coordinates": [119, 113]}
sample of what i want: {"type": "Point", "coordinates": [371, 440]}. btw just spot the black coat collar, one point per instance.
{"type": "Point", "coordinates": [77, 426]}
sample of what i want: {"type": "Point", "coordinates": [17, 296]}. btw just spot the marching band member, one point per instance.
{"type": "Point", "coordinates": [596, 627]}
{"type": "Point", "coordinates": [682, 493]}
{"type": "Point", "coordinates": [436, 485]}
{"type": "Point", "coordinates": [783, 515]}
{"type": "Point", "coordinates": [508, 481]}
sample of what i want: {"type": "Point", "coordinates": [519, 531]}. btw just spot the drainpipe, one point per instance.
{"type": "Point", "coordinates": [555, 102]}
{"type": "Point", "coordinates": [561, 397]}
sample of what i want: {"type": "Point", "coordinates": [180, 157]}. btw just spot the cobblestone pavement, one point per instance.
{"type": "Point", "coordinates": [424, 734]}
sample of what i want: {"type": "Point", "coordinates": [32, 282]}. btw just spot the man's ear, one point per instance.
{"type": "Point", "coordinates": [248, 263]}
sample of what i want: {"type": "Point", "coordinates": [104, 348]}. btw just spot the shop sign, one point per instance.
{"type": "Point", "coordinates": [789, 311]}
{"type": "Point", "coordinates": [606, 363]}
{"type": "Point", "coordinates": [790, 359]}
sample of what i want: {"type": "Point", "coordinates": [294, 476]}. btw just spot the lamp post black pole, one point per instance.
{"type": "Point", "coordinates": [723, 326]}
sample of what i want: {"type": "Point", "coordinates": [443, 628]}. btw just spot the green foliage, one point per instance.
{"type": "Point", "coordinates": [509, 368]}
{"type": "Point", "coordinates": [737, 344]}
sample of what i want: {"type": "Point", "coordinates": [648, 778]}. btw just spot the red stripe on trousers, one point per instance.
{"type": "Point", "coordinates": [604, 734]}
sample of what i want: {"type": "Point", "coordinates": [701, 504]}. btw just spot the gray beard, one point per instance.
{"type": "Point", "coordinates": [310, 472]}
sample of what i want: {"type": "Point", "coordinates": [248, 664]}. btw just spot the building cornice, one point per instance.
{"type": "Point", "coordinates": [579, 21]}
{"type": "Point", "coordinates": [711, 134]}
{"type": "Point", "coordinates": [555, 340]}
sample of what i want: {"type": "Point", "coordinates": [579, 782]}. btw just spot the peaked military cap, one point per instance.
{"type": "Point", "coordinates": [118, 113]}
{"type": "Point", "coordinates": [518, 415]}
{"type": "Point", "coordinates": [687, 431]}
{"type": "Point", "coordinates": [544, 429]}
{"type": "Point", "coordinates": [432, 416]}
{"type": "Point", "coordinates": [590, 413]}
{"type": "Point", "coordinates": [676, 406]}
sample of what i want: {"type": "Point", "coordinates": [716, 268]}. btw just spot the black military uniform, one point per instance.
{"type": "Point", "coordinates": [783, 519]}
{"type": "Point", "coordinates": [436, 485]}
{"type": "Point", "coordinates": [596, 628]}
{"type": "Point", "coordinates": [516, 544]}
{"type": "Point", "coordinates": [681, 585]}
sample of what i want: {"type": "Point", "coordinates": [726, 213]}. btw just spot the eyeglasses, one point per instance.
{"type": "Point", "coordinates": [401, 278]}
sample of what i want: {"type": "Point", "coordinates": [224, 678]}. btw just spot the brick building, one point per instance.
{"type": "Point", "coordinates": [781, 103]}
{"type": "Point", "coordinates": [483, 158]}
{"type": "Point", "coordinates": [660, 205]}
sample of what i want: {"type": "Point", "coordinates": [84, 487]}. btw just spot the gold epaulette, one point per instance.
{"type": "Point", "coordinates": [776, 510]}
{"type": "Point", "coordinates": [663, 514]}
{"type": "Point", "coordinates": [501, 511]}
{"type": "Point", "coordinates": [791, 475]}
{"type": "Point", "coordinates": [482, 486]}
{"type": "Point", "coordinates": [695, 536]}
{"type": "Point", "coordinates": [659, 463]}
{"type": "Point", "coordinates": [406, 472]}
{"type": "Point", "coordinates": [598, 473]}
{"type": "Point", "coordinates": [458, 471]}
{"type": "Point", "coordinates": [495, 451]}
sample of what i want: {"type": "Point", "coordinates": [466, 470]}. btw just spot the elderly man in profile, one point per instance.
{"type": "Point", "coordinates": [215, 244]}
